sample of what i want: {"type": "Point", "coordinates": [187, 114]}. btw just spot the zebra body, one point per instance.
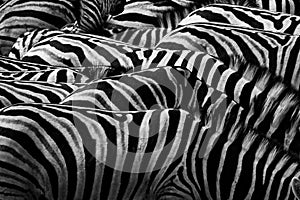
{"type": "Point", "coordinates": [76, 153]}
{"type": "Point", "coordinates": [144, 38]}
{"type": "Point", "coordinates": [246, 17]}
{"type": "Point", "coordinates": [285, 6]}
{"type": "Point", "coordinates": [78, 168]}
{"type": "Point", "coordinates": [19, 16]}
{"type": "Point", "coordinates": [77, 50]}
{"type": "Point", "coordinates": [276, 51]}
{"type": "Point", "coordinates": [13, 92]}
{"type": "Point", "coordinates": [27, 40]}
{"type": "Point", "coordinates": [240, 163]}
{"type": "Point", "coordinates": [147, 14]}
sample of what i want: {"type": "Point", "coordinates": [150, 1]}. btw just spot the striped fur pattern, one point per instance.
{"type": "Point", "coordinates": [276, 51]}
{"type": "Point", "coordinates": [147, 15]}
{"type": "Point", "coordinates": [145, 37]}
{"type": "Point", "coordinates": [77, 50]}
{"type": "Point", "coordinates": [94, 13]}
{"type": "Point", "coordinates": [27, 40]}
{"type": "Point", "coordinates": [19, 16]}
{"type": "Point", "coordinates": [216, 147]}
{"type": "Point", "coordinates": [13, 92]}
{"type": "Point", "coordinates": [58, 75]}
{"type": "Point", "coordinates": [142, 37]}
{"type": "Point", "coordinates": [156, 88]}
{"type": "Point", "coordinates": [240, 163]}
{"type": "Point", "coordinates": [246, 17]}
{"type": "Point", "coordinates": [64, 154]}
{"type": "Point", "coordinates": [11, 64]}
{"type": "Point", "coordinates": [272, 106]}
{"type": "Point", "coordinates": [285, 6]}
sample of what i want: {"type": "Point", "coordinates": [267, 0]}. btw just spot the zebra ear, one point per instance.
{"type": "Point", "coordinates": [296, 187]}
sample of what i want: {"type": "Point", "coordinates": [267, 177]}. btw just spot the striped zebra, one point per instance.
{"type": "Point", "coordinates": [120, 58]}
{"type": "Point", "coordinates": [240, 163]}
{"type": "Point", "coordinates": [16, 91]}
{"type": "Point", "coordinates": [155, 88]}
{"type": "Point", "coordinates": [27, 40]}
{"type": "Point", "coordinates": [285, 6]}
{"type": "Point", "coordinates": [276, 51]}
{"type": "Point", "coordinates": [94, 14]}
{"type": "Point", "coordinates": [272, 106]}
{"type": "Point", "coordinates": [144, 37]}
{"type": "Point", "coordinates": [76, 50]}
{"type": "Point", "coordinates": [59, 75]}
{"type": "Point", "coordinates": [147, 14]}
{"type": "Point", "coordinates": [179, 166]}
{"type": "Point", "coordinates": [19, 16]}
{"type": "Point", "coordinates": [64, 152]}
{"type": "Point", "coordinates": [245, 17]}
{"type": "Point", "coordinates": [165, 14]}
{"type": "Point", "coordinates": [13, 69]}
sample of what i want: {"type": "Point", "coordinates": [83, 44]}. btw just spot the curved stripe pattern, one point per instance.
{"type": "Point", "coordinates": [245, 17]}
{"type": "Point", "coordinates": [276, 51]}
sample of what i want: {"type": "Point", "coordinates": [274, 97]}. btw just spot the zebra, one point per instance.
{"type": "Point", "coordinates": [276, 51]}
{"type": "Point", "coordinates": [30, 15]}
{"type": "Point", "coordinates": [147, 14]}
{"type": "Point", "coordinates": [165, 14]}
{"type": "Point", "coordinates": [64, 151]}
{"type": "Point", "coordinates": [59, 75]}
{"type": "Point", "coordinates": [245, 17]}
{"type": "Point", "coordinates": [75, 168]}
{"type": "Point", "coordinates": [13, 69]}
{"type": "Point", "coordinates": [18, 16]}
{"type": "Point", "coordinates": [28, 39]}
{"type": "Point", "coordinates": [285, 6]}
{"type": "Point", "coordinates": [144, 37]}
{"type": "Point", "coordinates": [273, 107]}
{"type": "Point", "coordinates": [240, 163]}
{"type": "Point", "coordinates": [16, 91]}
{"type": "Point", "coordinates": [94, 14]}
{"type": "Point", "coordinates": [87, 50]}
{"type": "Point", "coordinates": [122, 59]}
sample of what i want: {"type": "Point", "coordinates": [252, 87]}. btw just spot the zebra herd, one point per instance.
{"type": "Point", "coordinates": [165, 99]}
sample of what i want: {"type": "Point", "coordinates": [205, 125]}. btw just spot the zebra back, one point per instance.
{"type": "Point", "coordinates": [27, 40]}
{"type": "Point", "coordinates": [246, 17]}
{"type": "Point", "coordinates": [149, 14]}
{"type": "Point", "coordinates": [276, 51]}
{"type": "Point", "coordinates": [14, 92]}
